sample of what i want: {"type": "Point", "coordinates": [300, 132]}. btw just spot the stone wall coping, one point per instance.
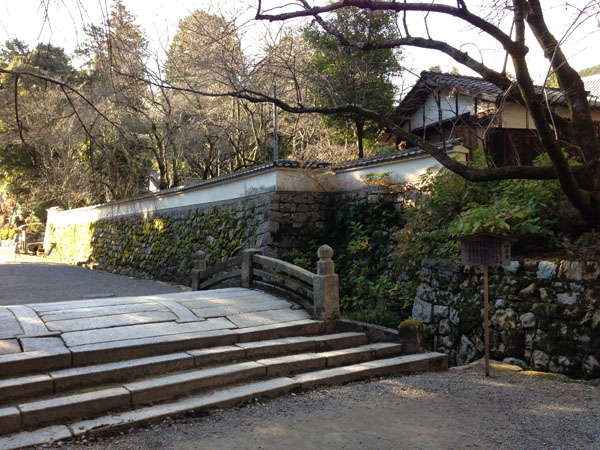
{"type": "Point", "coordinates": [279, 164]}
{"type": "Point", "coordinates": [413, 152]}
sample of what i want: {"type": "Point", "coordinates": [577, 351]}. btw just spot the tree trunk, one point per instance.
{"type": "Point", "coordinates": [360, 126]}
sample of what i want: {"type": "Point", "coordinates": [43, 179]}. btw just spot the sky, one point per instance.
{"type": "Point", "coordinates": [26, 19]}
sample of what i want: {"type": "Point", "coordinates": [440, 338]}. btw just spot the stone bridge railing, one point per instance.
{"type": "Point", "coordinates": [317, 293]}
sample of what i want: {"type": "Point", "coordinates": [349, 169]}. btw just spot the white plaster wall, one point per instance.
{"type": "Point", "coordinates": [401, 171]}
{"type": "Point", "coordinates": [273, 179]}
{"type": "Point", "coordinates": [225, 190]}
{"type": "Point", "coordinates": [447, 106]}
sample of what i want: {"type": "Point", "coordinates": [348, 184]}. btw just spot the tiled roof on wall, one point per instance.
{"type": "Point", "coordinates": [392, 156]}
{"type": "Point", "coordinates": [291, 164]}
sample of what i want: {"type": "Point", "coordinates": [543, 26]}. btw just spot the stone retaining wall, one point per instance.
{"type": "Point", "coordinates": [161, 245]}
{"type": "Point", "coordinates": [544, 315]}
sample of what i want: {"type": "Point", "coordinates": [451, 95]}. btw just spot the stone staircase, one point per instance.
{"type": "Point", "coordinates": [111, 389]}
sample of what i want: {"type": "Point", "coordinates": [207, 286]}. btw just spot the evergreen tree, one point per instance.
{"type": "Point", "coordinates": [345, 75]}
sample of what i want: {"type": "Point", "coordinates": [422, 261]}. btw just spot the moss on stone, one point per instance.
{"type": "Point", "coordinates": [411, 323]}
{"type": "Point", "coordinates": [547, 376]}
{"type": "Point", "coordinates": [470, 317]}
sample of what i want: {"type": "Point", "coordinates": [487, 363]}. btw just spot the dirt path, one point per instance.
{"type": "Point", "coordinates": [452, 410]}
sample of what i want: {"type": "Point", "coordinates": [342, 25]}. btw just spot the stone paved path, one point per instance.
{"type": "Point", "coordinates": [29, 279]}
{"type": "Point", "coordinates": [73, 326]}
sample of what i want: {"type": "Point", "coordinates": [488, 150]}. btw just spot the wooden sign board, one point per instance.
{"type": "Point", "coordinates": [485, 249]}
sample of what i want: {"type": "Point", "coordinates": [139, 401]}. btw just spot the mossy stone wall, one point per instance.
{"type": "Point", "coordinates": [161, 245]}
{"type": "Point", "coordinates": [544, 315]}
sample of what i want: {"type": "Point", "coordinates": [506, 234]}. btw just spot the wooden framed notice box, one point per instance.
{"type": "Point", "coordinates": [485, 249]}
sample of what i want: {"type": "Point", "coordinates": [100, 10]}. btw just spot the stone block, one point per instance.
{"type": "Point", "coordinates": [78, 406]}
{"type": "Point", "coordinates": [527, 320]}
{"type": "Point", "coordinates": [514, 266]}
{"type": "Point", "coordinates": [10, 420]}
{"type": "Point", "coordinates": [426, 275]}
{"type": "Point", "coordinates": [214, 355]}
{"type": "Point", "coordinates": [540, 360]}
{"type": "Point", "coordinates": [426, 292]}
{"type": "Point", "coordinates": [22, 387]}
{"type": "Point", "coordinates": [528, 292]}
{"type": "Point", "coordinates": [284, 365]}
{"type": "Point", "coordinates": [568, 365]}
{"type": "Point", "coordinates": [339, 340]}
{"type": "Point", "coordinates": [571, 270]}
{"type": "Point", "coordinates": [516, 362]}
{"type": "Point", "coordinates": [546, 270]}
{"type": "Point", "coordinates": [278, 347]}
{"type": "Point", "coordinates": [440, 311]}
{"type": "Point", "coordinates": [576, 287]}
{"type": "Point", "coordinates": [422, 310]}
{"type": "Point", "coordinates": [9, 346]}
{"type": "Point", "coordinates": [38, 438]}
{"type": "Point", "coordinates": [466, 351]}
{"type": "Point", "coordinates": [454, 316]}
{"type": "Point", "coordinates": [567, 298]}
{"type": "Point", "coordinates": [168, 387]}
{"type": "Point", "coordinates": [32, 362]}
{"type": "Point", "coordinates": [444, 328]}
{"type": "Point", "coordinates": [591, 367]}
{"type": "Point", "coordinates": [591, 271]}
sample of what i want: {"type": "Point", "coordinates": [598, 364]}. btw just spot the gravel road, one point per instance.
{"type": "Point", "coordinates": [459, 409]}
{"type": "Point", "coordinates": [30, 279]}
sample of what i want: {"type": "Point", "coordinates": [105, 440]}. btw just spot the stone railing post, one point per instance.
{"type": "Point", "coordinates": [326, 289]}
{"type": "Point", "coordinates": [247, 266]}
{"type": "Point", "coordinates": [199, 267]}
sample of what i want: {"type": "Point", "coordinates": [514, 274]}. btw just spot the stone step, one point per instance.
{"type": "Point", "coordinates": [229, 396]}
{"type": "Point", "coordinates": [35, 362]}
{"type": "Point", "coordinates": [165, 388]}
{"type": "Point", "coordinates": [13, 389]}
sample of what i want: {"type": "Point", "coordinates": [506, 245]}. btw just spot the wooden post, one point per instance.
{"type": "Point", "coordinates": [199, 267]}
{"type": "Point", "coordinates": [326, 289]}
{"type": "Point", "coordinates": [247, 266]}
{"type": "Point", "coordinates": [486, 324]}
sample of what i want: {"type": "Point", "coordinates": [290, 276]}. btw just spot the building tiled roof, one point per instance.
{"type": "Point", "coordinates": [592, 85]}
{"type": "Point", "coordinates": [472, 86]}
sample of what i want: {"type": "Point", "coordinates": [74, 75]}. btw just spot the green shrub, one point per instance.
{"type": "Point", "coordinates": [360, 236]}
{"type": "Point", "coordinates": [446, 206]}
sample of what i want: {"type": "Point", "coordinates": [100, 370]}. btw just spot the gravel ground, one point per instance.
{"type": "Point", "coordinates": [30, 279]}
{"type": "Point", "coordinates": [459, 409]}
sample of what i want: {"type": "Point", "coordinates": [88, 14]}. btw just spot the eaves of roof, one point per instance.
{"type": "Point", "coordinates": [472, 86]}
